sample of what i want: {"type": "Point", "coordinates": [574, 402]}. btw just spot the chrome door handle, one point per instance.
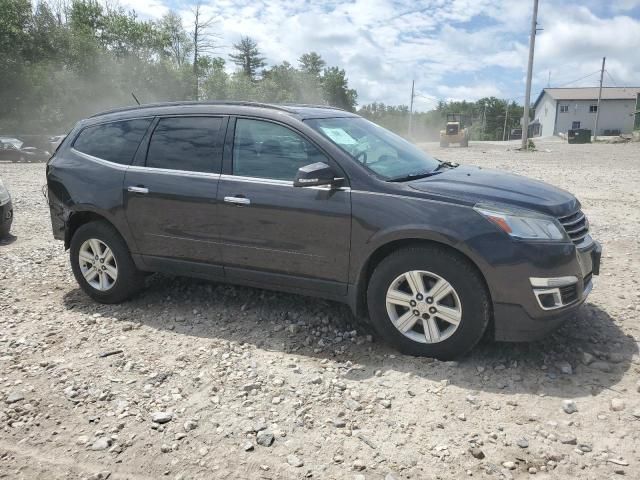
{"type": "Point", "coordinates": [138, 189]}
{"type": "Point", "coordinates": [238, 200]}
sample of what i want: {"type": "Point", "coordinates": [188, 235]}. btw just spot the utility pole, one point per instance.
{"type": "Point", "coordinates": [484, 119]}
{"type": "Point", "coordinates": [504, 129]}
{"type": "Point", "coordinates": [595, 129]}
{"type": "Point", "coordinates": [527, 96]}
{"type": "Point", "coordinates": [413, 85]}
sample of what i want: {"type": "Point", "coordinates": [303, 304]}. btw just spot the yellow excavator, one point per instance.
{"type": "Point", "coordinates": [455, 130]}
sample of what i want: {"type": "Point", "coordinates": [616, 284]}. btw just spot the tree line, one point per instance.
{"type": "Point", "coordinates": [485, 118]}
{"type": "Point", "coordinates": [62, 60]}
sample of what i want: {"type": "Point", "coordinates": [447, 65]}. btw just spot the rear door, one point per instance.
{"type": "Point", "coordinates": [171, 191]}
{"type": "Point", "coordinates": [271, 231]}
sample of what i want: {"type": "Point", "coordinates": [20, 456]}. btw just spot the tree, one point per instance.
{"type": "Point", "coordinates": [336, 89]}
{"type": "Point", "coordinates": [174, 39]}
{"type": "Point", "coordinates": [312, 64]}
{"type": "Point", "coordinates": [247, 57]}
{"type": "Point", "coordinates": [202, 40]}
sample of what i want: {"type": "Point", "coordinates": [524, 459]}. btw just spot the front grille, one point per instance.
{"type": "Point", "coordinates": [569, 293]}
{"type": "Point", "coordinates": [576, 225]}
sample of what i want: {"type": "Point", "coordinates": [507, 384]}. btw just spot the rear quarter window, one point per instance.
{"type": "Point", "coordinates": [115, 142]}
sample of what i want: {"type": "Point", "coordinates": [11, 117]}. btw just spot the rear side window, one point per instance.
{"type": "Point", "coordinates": [186, 143]}
{"type": "Point", "coordinates": [116, 142]}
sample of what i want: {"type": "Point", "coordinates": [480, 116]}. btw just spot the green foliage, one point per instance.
{"type": "Point", "coordinates": [60, 62]}
{"type": "Point", "coordinates": [247, 57]}
{"type": "Point", "coordinates": [486, 115]}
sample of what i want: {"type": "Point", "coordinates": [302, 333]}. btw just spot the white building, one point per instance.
{"type": "Point", "coordinates": [558, 110]}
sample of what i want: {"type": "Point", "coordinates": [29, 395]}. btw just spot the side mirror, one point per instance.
{"type": "Point", "coordinates": [315, 174]}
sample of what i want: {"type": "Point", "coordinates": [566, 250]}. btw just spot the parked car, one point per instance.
{"type": "Point", "coordinates": [516, 134]}
{"type": "Point", "coordinates": [6, 210]}
{"type": "Point", "coordinates": [13, 150]}
{"type": "Point", "coordinates": [16, 142]}
{"type": "Point", "coordinates": [319, 201]}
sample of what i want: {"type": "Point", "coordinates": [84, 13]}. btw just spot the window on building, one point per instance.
{"type": "Point", "coordinates": [564, 108]}
{"type": "Point", "coordinates": [575, 125]}
{"type": "Point", "coordinates": [593, 108]}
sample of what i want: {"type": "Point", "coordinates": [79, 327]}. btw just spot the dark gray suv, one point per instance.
{"type": "Point", "coordinates": [319, 201]}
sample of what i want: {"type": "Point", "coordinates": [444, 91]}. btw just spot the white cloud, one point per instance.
{"type": "Point", "coordinates": [454, 49]}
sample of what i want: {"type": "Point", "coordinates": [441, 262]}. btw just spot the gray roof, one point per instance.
{"type": "Point", "coordinates": [590, 93]}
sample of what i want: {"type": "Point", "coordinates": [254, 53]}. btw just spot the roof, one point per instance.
{"type": "Point", "coordinates": [227, 107]}
{"type": "Point", "coordinates": [590, 93]}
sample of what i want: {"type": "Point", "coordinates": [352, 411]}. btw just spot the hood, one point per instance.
{"type": "Point", "coordinates": [477, 184]}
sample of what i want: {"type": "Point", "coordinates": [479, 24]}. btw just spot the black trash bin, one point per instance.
{"type": "Point", "coordinates": [579, 135]}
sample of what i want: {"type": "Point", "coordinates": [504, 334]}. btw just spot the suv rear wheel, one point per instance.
{"type": "Point", "coordinates": [428, 301]}
{"type": "Point", "coordinates": [102, 264]}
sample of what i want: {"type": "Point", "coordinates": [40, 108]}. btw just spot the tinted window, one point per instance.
{"type": "Point", "coordinates": [116, 141]}
{"type": "Point", "coordinates": [268, 150]}
{"type": "Point", "coordinates": [186, 143]}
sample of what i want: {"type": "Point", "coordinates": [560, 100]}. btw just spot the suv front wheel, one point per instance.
{"type": "Point", "coordinates": [428, 301]}
{"type": "Point", "coordinates": [102, 264]}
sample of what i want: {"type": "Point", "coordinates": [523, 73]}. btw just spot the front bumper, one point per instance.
{"type": "Point", "coordinates": [527, 321]}
{"type": "Point", "coordinates": [6, 216]}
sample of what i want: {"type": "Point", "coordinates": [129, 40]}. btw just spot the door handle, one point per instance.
{"type": "Point", "coordinates": [238, 200]}
{"type": "Point", "coordinates": [138, 189]}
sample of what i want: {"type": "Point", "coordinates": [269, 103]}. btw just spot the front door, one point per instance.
{"type": "Point", "coordinates": [272, 231]}
{"type": "Point", "coordinates": [171, 198]}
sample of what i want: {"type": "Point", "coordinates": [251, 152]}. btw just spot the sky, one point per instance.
{"type": "Point", "coordinates": [454, 49]}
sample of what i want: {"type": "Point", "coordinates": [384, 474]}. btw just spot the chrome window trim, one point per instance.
{"type": "Point", "coordinates": [100, 161]}
{"type": "Point", "coordinates": [136, 168]}
{"type": "Point", "coordinates": [169, 171]}
{"type": "Point", "coordinates": [278, 183]}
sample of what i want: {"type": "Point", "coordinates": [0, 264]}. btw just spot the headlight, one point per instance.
{"type": "Point", "coordinates": [521, 223]}
{"type": "Point", "coordinates": [4, 194]}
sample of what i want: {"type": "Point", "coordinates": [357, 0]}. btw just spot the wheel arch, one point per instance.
{"type": "Point", "coordinates": [359, 303]}
{"type": "Point", "coordinates": [78, 218]}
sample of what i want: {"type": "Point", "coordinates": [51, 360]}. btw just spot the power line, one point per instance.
{"type": "Point", "coordinates": [611, 78]}
{"type": "Point", "coordinates": [577, 80]}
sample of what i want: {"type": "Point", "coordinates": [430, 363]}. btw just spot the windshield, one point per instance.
{"type": "Point", "coordinates": [381, 151]}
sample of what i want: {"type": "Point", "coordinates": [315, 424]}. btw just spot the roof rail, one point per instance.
{"type": "Point", "coordinates": [313, 105]}
{"type": "Point", "coordinates": [193, 102]}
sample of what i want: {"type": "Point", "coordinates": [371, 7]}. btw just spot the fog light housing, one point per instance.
{"type": "Point", "coordinates": [549, 291]}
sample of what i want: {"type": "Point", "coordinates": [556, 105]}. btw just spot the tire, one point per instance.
{"type": "Point", "coordinates": [469, 301]}
{"type": "Point", "coordinates": [4, 230]}
{"type": "Point", "coordinates": [128, 279]}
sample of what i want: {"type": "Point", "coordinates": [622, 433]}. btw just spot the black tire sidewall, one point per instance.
{"type": "Point", "coordinates": [459, 273]}
{"type": "Point", "coordinates": [129, 278]}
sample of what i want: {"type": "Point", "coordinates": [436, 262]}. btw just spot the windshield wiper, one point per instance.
{"type": "Point", "coordinates": [413, 176]}
{"type": "Point", "coordinates": [446, 164]}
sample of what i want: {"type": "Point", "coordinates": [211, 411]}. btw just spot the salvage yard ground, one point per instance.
{"type": "Point", "coordinates": [223, 382]}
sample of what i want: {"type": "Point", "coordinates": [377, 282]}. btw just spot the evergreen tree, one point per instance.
{"type": "Point", "coordinates": [247, 57]}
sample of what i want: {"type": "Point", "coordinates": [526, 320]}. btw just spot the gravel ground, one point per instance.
{"type": "Point", "coordinates": [213, 381]}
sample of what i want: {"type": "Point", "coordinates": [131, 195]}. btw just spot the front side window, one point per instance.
{"type": "Point", "coordinates": [186, 143]}
{"type": "Point", "coordinates": [268, 150]}
{"type": "Point", "coordinates": [116, 141]}
{"type": "Point", "coordinates": [381, 151]}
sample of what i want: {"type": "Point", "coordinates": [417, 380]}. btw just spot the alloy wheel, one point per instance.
{"type": "Point", "coordinates": [98, 264]}
{"type": "Point", "coordinates": [423, 306]}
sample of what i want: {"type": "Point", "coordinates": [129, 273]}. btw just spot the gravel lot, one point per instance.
{"type": "Point", "coordinates": [215, 381]}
